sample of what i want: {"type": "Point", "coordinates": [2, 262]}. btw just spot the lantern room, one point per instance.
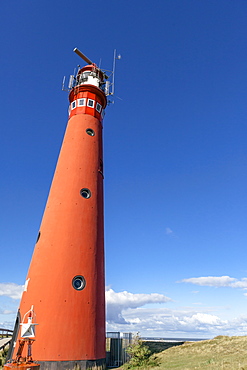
{"type": "Point", "coordinates": [90, 75]}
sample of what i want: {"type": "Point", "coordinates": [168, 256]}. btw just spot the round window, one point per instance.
{"type": "Point", "coordinates": [90, 132]}
{"type": "Point", "coordinates": [78, 282]}
{"type": "Point", "coordinates": [38, 237]}
{"type": "Point", "coordinates": [85, 193]}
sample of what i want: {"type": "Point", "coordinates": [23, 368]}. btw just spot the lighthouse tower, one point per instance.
{"type": "Point", "coordinates": [65, 282]}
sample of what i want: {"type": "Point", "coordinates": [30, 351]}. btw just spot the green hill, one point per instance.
{"type": "Point", "coordinates": [219, 353]}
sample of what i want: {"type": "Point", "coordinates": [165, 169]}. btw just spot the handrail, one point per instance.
{"type": "Point", "coordinates": [4, 333]}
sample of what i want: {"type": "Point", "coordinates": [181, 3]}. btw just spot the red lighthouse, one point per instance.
{"type": "Point", "coordinates": [65, 282]}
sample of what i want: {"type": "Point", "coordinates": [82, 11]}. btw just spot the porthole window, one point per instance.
{"type": "Point", "coordinates": [38, 237]}
{"type": "Point", "coordinates": [90, 132]}
{"type": "Point", "coordinates": [79, 282]}
{"type": "Point", "coordinates": [90, 103]}
{"type": "Point", "coordinates": [81, 102]}
{"type": "Point", "coordinates": [85, 193]}
{"type": "Point", "coordinates": [101, 166]}
{"type": "Point", "coordinates": [98, 107]}
{"type": "Point", "coordinates": [73, 104]}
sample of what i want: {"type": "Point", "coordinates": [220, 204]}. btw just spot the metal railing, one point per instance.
{"type": "Point", "coordinates": [116, 348]}
{"type": "Point", "coordinates": [5, 337]}
{"type": "Point", "coordinates": [5, 333]}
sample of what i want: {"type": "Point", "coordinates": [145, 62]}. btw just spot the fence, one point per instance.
{"type": "Point", "coordinates": [116, 345]}
{"type": "Point", "coordinates": [5, 333]}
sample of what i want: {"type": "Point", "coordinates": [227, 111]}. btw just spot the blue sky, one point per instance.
{"type": "Point", "coordinates": [175, 154]}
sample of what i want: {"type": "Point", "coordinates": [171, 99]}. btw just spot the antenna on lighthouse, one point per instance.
{"type": "Point", "coordinates": [113, 70]}
{"type": "Point", "coordinates": [87, 60]}
{"type": "Point", "coordinates": [81, 55]}
{"type": "Point", "coordinates": [106, 82]}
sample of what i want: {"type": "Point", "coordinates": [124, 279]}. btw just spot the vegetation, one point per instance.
{"type": "Point", "coordinates": [3, 355]}
{"type": "Point", "coordinates": [140, 355]}
{"type": "Point", "coordinates": [222, 352]}
{"type": "Point", "coordinates": [157, 346]}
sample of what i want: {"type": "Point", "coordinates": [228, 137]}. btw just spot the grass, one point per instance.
{"type": "Point", "coordinates": [222, 352]}
{"type": "Point", "coordinates": [156, 347]}
{"type": "Point", "coordinates": [3, 354]}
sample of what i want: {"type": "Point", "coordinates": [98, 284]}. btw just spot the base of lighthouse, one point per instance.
{"type": "Point", "coordinates": [99, 364]}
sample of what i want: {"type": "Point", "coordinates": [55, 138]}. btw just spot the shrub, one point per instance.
{"type": "Point", "coordinates": [140, 355]}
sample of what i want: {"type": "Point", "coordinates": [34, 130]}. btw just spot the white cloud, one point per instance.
{"type": "Point", "coordinates": [11, 290]}
{"type": "Point", "coordinates": [183, 323]}
{"type": "Point", "coordinates": [169, 323]}
{"type": "Point", "coordinates": [117, 302]}
{"type": "Point", "coordinates": [6, 312]}
{"type": "Point", "coordinates": [218, 281]}
{"type": "Point", "coordinates": [168, 231]}
{"type": "Point", "coordinates": [203, 319]}
{"type": "Point", "coordinates": [7, 324]}
{"type": "Point", "coordinates": [127, 312]}
{"type": "Point", "coordinates": [240, 283]}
